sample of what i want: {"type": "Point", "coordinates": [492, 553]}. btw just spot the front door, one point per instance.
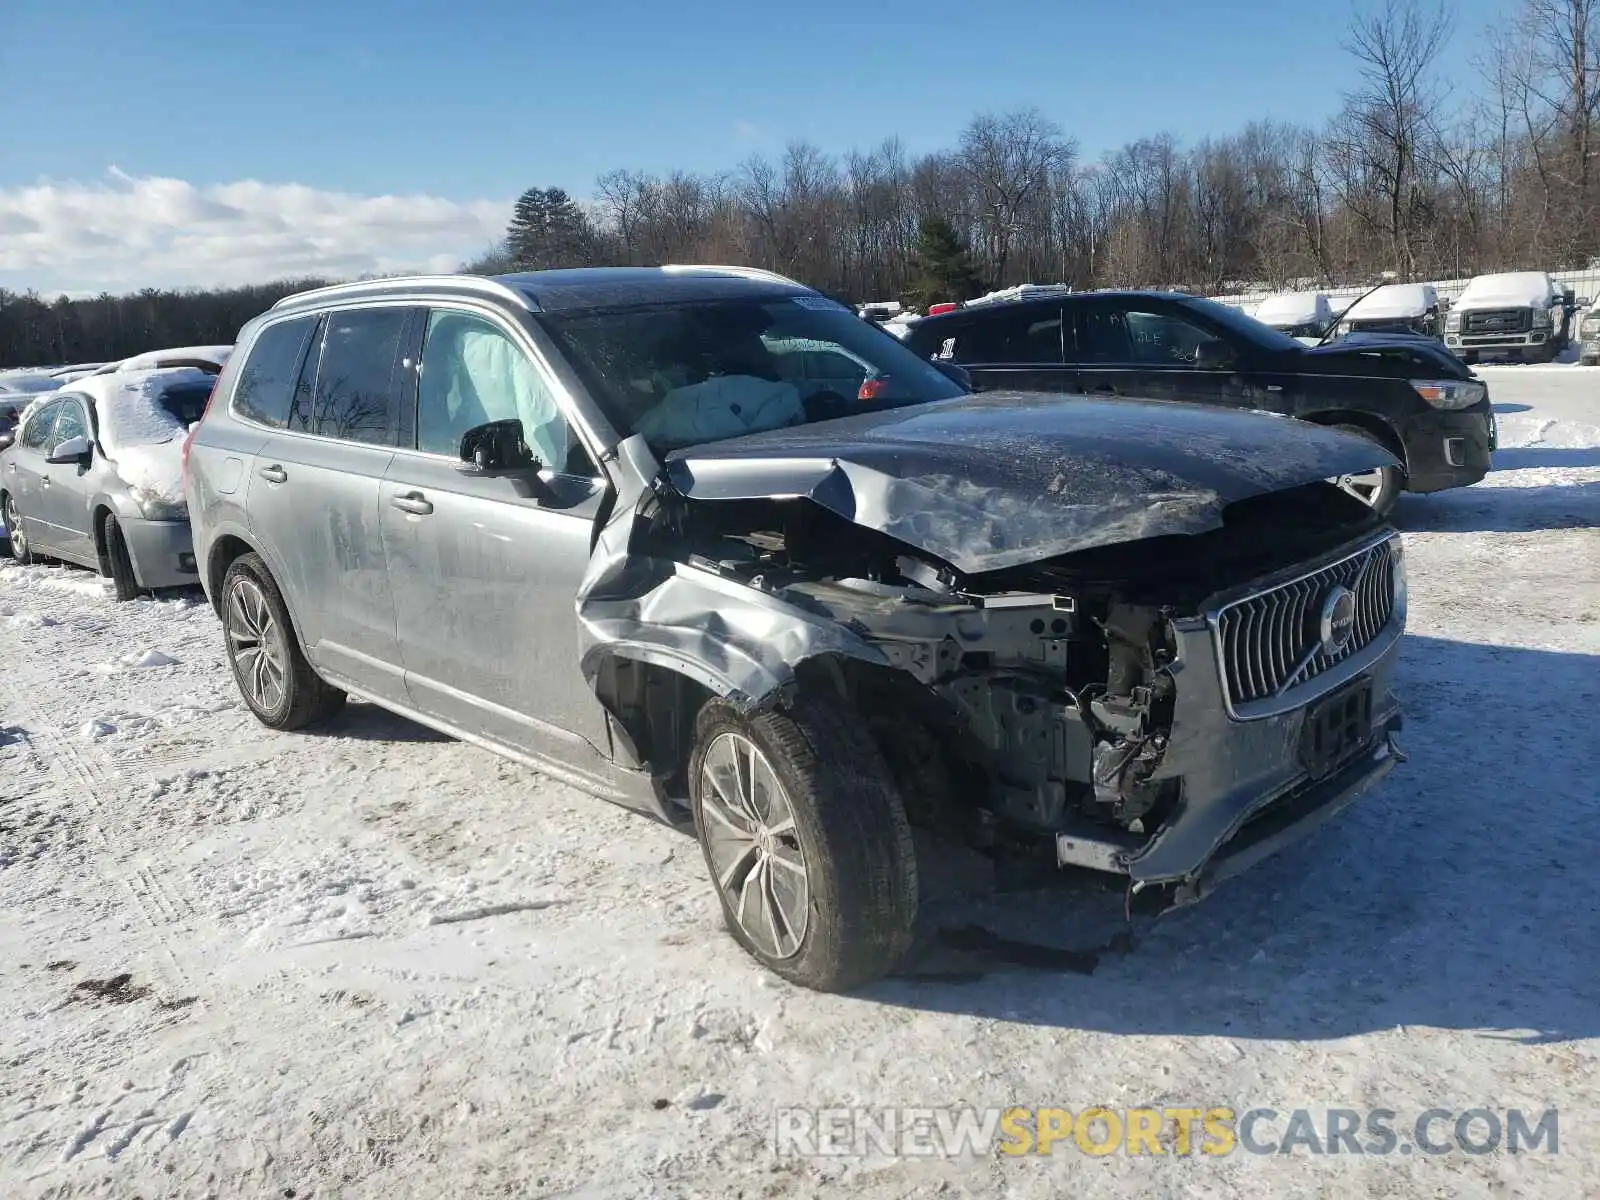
{"type": "Point", "coordinates": [63, 502]}
{"type": "Point", "coordinates": [1142, 349]}
{"type": "Point", "coordinates": [485, 569]}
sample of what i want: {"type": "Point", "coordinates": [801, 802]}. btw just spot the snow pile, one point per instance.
{"type": "Point", "coordinates": [138, 660]}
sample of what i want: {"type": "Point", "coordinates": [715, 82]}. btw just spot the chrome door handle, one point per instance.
{"type": "Point", "coordinates": [414, 503]}
{"type": "Point", "coordinates": [44, 481]}
{"type": "Point", "coordinates": [273, 473]}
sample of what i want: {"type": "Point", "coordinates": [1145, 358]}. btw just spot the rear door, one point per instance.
{"type": "Point", "coordinates": [1143, 348]}
{"type": "Point", "coordinates": [1010, 347]}
{"type": "Point", "coordinates": [485, 569]}
{"type": "Point", "coordinates": [314, 493]}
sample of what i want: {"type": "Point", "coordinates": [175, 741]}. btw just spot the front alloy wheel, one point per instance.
{"type": "Point", "coordinates": [753, 846]}
{"type": "Point", "coordinates": [1378, 488]}
{"type": "Point", "coordinates": [19, 539]}
{"type": "Point", "coordinates": [805, 838]}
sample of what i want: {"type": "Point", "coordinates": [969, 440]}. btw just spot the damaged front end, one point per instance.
{"type": "Point", "coordinates": [1169, 707]}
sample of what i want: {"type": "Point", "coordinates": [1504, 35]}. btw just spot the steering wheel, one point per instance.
{"type": "Point", "coordinates": [824, 406]}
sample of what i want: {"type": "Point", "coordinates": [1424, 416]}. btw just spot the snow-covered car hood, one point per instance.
{"type": "Point", "coordinates": [1521, 289]}
{"type": "Point", "coordinates": [1393, 301]}
{"type": "Point", "coordinates": [1293, 308]}
{"type": "Point", "coordinates": [1005, 478]}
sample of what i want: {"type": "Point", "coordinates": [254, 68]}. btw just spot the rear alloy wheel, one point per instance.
{"type": "Point", "coordinates": [1378, 488]}
{"type": "Point", "coordinates": [276, 681]}
{"type": "Point", "coordinates": [806, 840]}
{"type": "Point", "coordinates": [118, 558]}
{"type": "Point", "coordinates": [19, 539]}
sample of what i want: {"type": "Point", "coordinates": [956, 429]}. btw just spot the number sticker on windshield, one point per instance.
{"type": "Point", "coordinates": [821, 303]}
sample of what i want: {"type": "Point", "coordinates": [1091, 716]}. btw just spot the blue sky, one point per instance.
{"type": "Point", "coordinates": [478, 99]}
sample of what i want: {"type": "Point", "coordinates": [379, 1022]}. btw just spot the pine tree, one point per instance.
{"type": "Point", "coordinates": [548, 229]}
{"type": "Point", "coordinates": [941, 267]}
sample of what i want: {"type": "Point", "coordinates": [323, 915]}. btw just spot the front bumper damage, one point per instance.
{"type": "Point", "coordinates": [1249, 786]}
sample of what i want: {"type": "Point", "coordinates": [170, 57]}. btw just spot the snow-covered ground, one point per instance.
{"type": "Point", "coordinates": [372, 961]}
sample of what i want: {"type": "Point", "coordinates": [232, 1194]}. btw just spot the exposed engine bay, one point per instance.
{"type": "Point", "coordinates": [1021, 702]}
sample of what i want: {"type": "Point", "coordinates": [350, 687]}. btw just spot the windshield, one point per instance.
{"type": "Point", "coordinates": [1310, 329]}
{"type": "Point", "coordinates": [1231, 319]}
{"type": "Point", "coordinates": [684, 374]}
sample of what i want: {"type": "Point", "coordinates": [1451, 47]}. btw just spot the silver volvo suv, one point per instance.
{"type": "Point", "coordinates": [704, 543]}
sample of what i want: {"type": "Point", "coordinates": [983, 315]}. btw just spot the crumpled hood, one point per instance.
{"type": "Point", "coordinates": [1004, 478]}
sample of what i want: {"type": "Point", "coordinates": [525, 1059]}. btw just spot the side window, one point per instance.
{"type": "Point", "coordinates": [39, 426]}
{"type": "Point", "coordinates": [1011, 335]}
{"type": "Point", "coordinates": [266, 385]}
{"type": "Point", "coordinates": [355, 397]}
{"type": "Point", "coordinates": [471, 373]}
{"type": "Point", "coordinates": [70, 423]}
{"type": "Point", "coordinates": [1110, 334]}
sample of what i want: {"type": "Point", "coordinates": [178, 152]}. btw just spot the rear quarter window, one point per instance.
{"type": "Point", "coordinates": [266, 384]}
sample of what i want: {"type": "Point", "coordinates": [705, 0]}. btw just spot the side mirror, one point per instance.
{"type": "Point", "coordinates": [73, 450]}
{"type": "Point", "coordinates": [956, 373]}
{"type": "Point", "coordinates": [1215, 356]}
{"type": "Point", "coordinates": [497, 448]}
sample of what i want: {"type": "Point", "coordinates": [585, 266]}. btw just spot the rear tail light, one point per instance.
{"type": "Point", "coordinates": [194, 429]}
{"type": "Point", "coordinates": [935, 309]}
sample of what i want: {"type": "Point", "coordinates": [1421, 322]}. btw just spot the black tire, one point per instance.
{"type": "Point", "coordinates": [1392, 479]}
{"type": "Point", "coordinates": [849, 832]}
{"type": "Point", "coordinates": [1588, 360]}
{"type": "Point", "coordinates": [1470, 357]}
{"type": "Point", "coordinates": [302, 697]}
{"type": "Point", "coordinates": [17, 545]}
{"type": "Point", "coordinates": [118, 559]}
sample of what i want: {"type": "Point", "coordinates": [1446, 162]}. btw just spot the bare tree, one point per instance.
{"type": "Point", "coordinates": [1379, 139]}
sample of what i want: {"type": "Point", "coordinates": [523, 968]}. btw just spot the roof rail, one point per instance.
{"type": "Point", "coordinates": [745, 272]}
{"type": "Point", "coordinates": [400, 283]}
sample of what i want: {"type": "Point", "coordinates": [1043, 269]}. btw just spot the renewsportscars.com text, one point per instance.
{"type": "Point", "coordinates": [1201, 1131]}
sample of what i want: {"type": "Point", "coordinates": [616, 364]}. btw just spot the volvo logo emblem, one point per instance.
{"type": "Point", "coordinates": [1338, 619]}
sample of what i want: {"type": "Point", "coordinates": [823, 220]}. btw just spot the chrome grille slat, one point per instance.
{"type": "Point", "coordinates": [1263, 638]}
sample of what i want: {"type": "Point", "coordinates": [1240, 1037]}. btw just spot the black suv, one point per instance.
{"type": "Point", "coordinates": [1415, 399]}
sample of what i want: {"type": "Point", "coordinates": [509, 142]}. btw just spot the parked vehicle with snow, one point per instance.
{"type": "Point", "coordinates": [1395, 308]}
{"type": "Point", "coordinates": [601, 522]}
{"type": "Point", "coordinates": [1523, 314]}
{"type": "Point", "coordinates": [1410, 396]}
{"type": "Point", "coordinates": [1589, 338]}
{"type": "Point", "coordinates": [1304, 316]}
{"type": "Point", "coordinates": [93, 476]}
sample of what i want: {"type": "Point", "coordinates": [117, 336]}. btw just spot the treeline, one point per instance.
{"type": "Point", "coordinates": [1497, 170]}
{"type": "Point", "coordinates": [35, 332]}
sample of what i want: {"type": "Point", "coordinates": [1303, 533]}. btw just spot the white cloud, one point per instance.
{"type": "Point", "coordinates": [128, 232]}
